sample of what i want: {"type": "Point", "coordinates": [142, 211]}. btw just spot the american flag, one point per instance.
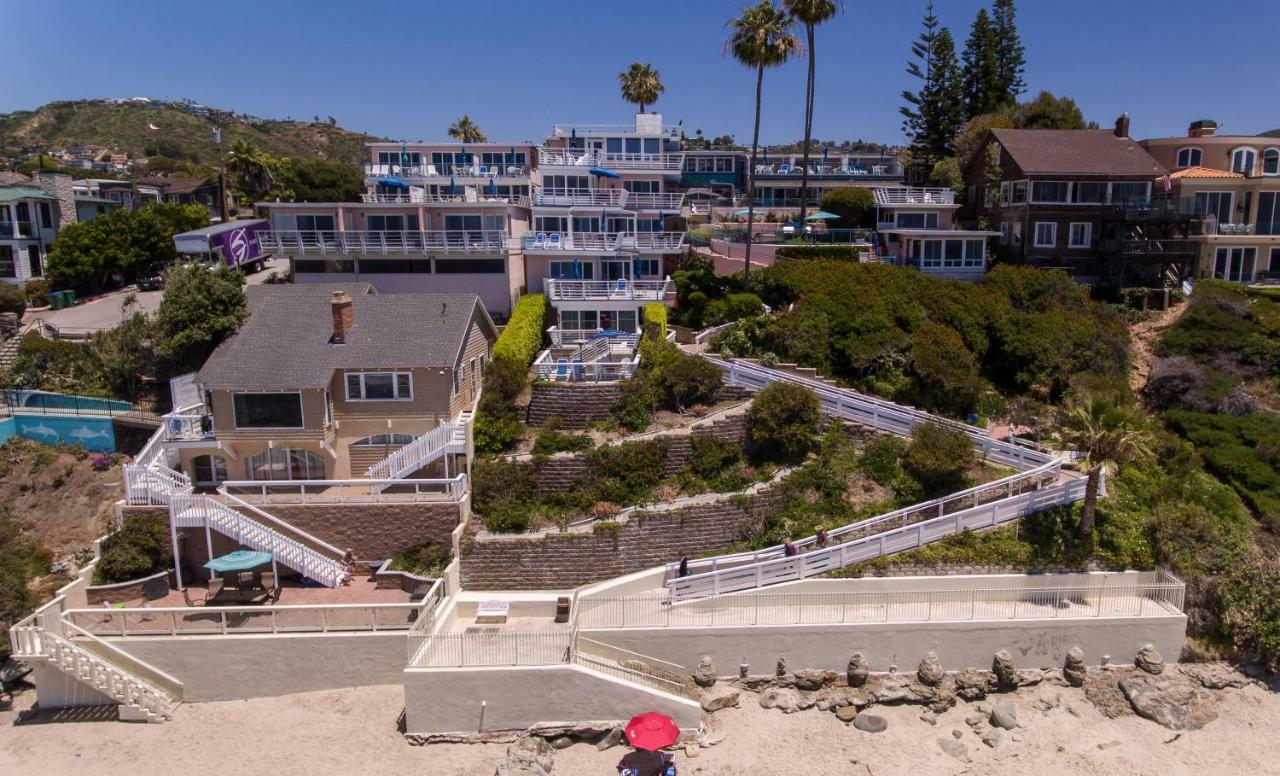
{"type": "Point", "coordinates": [1168, 183]}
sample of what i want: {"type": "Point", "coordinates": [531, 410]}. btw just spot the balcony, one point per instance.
{"type": "Point", "coordinates": [567, 157]}
{"type": "Point", "coordinates": [602, 242]}
{"type": "Point", "coordinates": [322, 242]}
{"type": "Point", "coordinates": [855, 171]}
{"type": "Point", "coordinates": [550, 197]}
{"type": "Point", "coordinates": [600, 359]}
{"type": "Point", "coordinates": [423, 172]}
{"type": "Point", "coordinates": [1153, 248]}
{"type": "Point", "coordinates": [1213, 226]}
{"type": "Point", "coordinates": [24, 230]}
{"type": "Point", "coordinates": [661, 202]}
{"type": "Point", "coordinates": [903, 195]}
{"type": "Point", "coordinates": [470, 196]}
{"type": "Point", "coordinates": [620, 290]}
{"type": "Point", "coordinates": [584, 130]}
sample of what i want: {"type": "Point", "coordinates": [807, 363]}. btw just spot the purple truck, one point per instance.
{"type": "Point", "coordinates": [235, 243]}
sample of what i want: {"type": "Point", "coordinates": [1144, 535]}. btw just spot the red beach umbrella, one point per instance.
{"type": "Point", "coordinates": [652, 731]}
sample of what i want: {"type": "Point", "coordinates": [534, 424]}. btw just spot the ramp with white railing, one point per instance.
{"type": "Point", "coordinates": [1039, 484]}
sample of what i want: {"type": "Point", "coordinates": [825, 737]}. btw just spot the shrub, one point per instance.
{"type": "Point", "coordinates": [832, 252]}
{"type": "Point", "coordinates": [551, 440]}
{"type": "Point", "coordinates": [678, 380]}
{"type": "Point", "coordinates": [521, 340]}
{"type": "Point", "coordinates": [655, 320]}
{"type": "Point", "coordinates": [939, 456]}
{"type": "Point", "coordinates": [881, 459]}
{"type": "Point", "coordinates": [36, 292]}
{"type": "Point", "coordinates": [497, 425]}
{"type": "Point", "coordinates": [853, 205]}
{"type": "Point", "coordinates": [784, 418]}
{"type": "Point", "coordinates": [58, 365]}
{"type": "Point", "coordinates": [625, 473]}
{"type": "Point", "coordinates": [139, 548]}
{"type": "Point", "coordinates": [711, 456]}
{"type": "Point", "coordinates": [493, 434]}
{"type": "Point", "coordinates": [504, 493]}
{"type": "Point", "coordinates": [12, 300]}
{"type": "Point", "coordinates": [732, 308]}
{"type": "Point", "coordinates": [424, 560]}
{"type": "Point", "coordinates": [634, 410]}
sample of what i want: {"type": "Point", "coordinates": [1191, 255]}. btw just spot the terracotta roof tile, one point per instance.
{"type": "Point", "coordinates": [1203, 172]}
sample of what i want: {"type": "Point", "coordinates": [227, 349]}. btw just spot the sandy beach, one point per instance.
{"type": "Point", "coordinates": [355, 730]}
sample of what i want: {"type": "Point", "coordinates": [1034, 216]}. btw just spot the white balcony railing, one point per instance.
{"type": "Point", "coordinates": [452, 241]}
{"type": "Point", "coordinates": [417, 171]}
{"type": "Point", "coordinates": [551, 197]}
{"type": "Point", "coordinates": [903, 195]}
{"type": "Point", "coordinates": [562, 337]}
{"type": "Point", "coordinates": [607, 290]}
{"type": "Point", "coordinates": [568, 157]}
{"type": "Point", "coordinates": [644, 161]}
{"type": "Point", "coordinates": [357, 491]}
{"type": "Point", "coordinates": [574, 370]}
{"type": "Point", "coordinates": [602, 242]}
{"type": "Point", "coordinates": [572, 130]}
{"type": "Point", "coordinates": [659, 201]}
{"type": "Point", "coordinates": [468, 195]}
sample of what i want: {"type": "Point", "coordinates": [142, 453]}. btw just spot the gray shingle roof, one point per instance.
{"type": "Point", "coordinates": [285, 343]}
{"type": "Point", "coordinates": [1077, 152]}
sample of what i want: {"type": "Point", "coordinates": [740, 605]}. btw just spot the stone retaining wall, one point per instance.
{"type": "Point", "coordinates": [557, 561]}
{"type": "Point", "coordinates": [123, 591]}
{"type": "Point", "coordinates": [374, 531]}
{"type": "Point", "coordinates": [578, 405]}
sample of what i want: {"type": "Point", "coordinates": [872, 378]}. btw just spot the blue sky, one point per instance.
{"type": "Point", "coordinates": [405, 70]}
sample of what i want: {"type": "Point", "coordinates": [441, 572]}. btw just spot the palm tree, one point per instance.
{"type": "Point", "coordinates": [761, 37]}
{"type": "Point", "coordinates": [252, 170]}
{"type": "Point", "coordinates": [810, 13]}
{"type": "Point", "coordinates": [467, 131]}
{"type": "Point", "coordinates": [641, 84]}
{"type": "Point", "coordinates": [1107, 435]}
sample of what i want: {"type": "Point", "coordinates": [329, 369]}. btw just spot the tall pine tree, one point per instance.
{"type": "Point", "coordinates": [1010, 53]}
{"type": "Point", "coordinates": [983, 90]}
{"type": "Point", "coordinates": [922, 50]}
{"type": "Point", "coordinates": [946, 114]}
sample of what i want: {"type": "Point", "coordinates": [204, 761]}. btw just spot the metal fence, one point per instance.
{"type": "Point", "coordinates": [238, 620]}
{"type": "Point", "coordinates": [482, 647]}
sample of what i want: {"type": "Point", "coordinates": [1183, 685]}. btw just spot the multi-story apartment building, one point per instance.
{"type": "Point", "coordinates": [1231, 185]}
{"type": "Point", "coordinates": [28, 223]}
{"type": "Point", "coordinates": [919, 230]}
{"type": "Point", "coordinates": [777, 176]}
{"type": "Point", "coordinates": [363, 375]}
{"type": "Point", "coordinates": [1080, 200]}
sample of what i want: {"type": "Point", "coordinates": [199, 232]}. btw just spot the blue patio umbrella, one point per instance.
{"type": "Point", "coordinates": [658, 226]}
{"type": "Point", "coordinates": [240, 560]}
{"type": "Point", "coordinates": [577, 267]}
{"type": "Point", "coordinates": [604, 220]}
{"type": "Point", "coordinates": [491, 189]}
{"type": "Point", "coordinates": [604, 172]}
{"type": "Point", "coordinates": [394, 183]}
{"type": "Point", "coordinates": [765, 158]}
{"type": "Point", "coordinates": [453, 186]}
{"type": "Point", "coordinates": [404, 154]}
{"type": "Point", "coordinates": [824, 155]}
{"type": "Point", "coordinates": [513, 156]}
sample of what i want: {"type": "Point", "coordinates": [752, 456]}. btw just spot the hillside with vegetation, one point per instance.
{"type": "Point", "coordinates": [181, 135]}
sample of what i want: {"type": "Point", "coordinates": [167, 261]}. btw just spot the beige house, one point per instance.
{"type": "Point", "coordinates": [325, 380]}
{"type": "Point", "coordinates": [1231, 183]}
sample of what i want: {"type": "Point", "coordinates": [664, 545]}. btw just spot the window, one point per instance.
{"type": "Point", "coordinates": [382, 440]}
{"type": "Point", "coordinates": [34, 268]}
{"type": "Point", "coordinates": [1130, 192]}
{"type": "Point", "coordinates": [1271, 161]}
{"type": "Point", "coordinates": [918, 220]}
{"type": "Point", "coordinates": [548, 224]}
{"type": "Point", "coordinates": [1268, 212]}
{"type": "Point", "coordinates": [313, 266]}
{"type": "Point", "coordinates": [286, 463]}
{"type": "Point", "coordinates": [209, 469]}
{"type": "Point", "coordinates": [646, 268]}
{"type": "Point", "coordinates": [930, 253]}
{"type": "Point", "coordinates": [392, 223]}
{"type": "Point", "coordinates": [471, 266]}
{"type": "Point", "coordinates": [1018, 194]}
{"type": "Point", "coordinates": [267, 410]}
{"type": "Point", "coordinates": [1046, 234]}
{"type": "Point", "coordinates": [571, 270]}
{"type": "Point", "coordinates": [1049, 191]}
{"type": "Point", "coordinates": [1214, 203]}
{"type": "Point", "coordinates": [587, 320]}
{"type": "Point", "coordinates": [1235, 264]}
{"type": "Point", "coordinates": [1242, 160]}
{"type": "Point", "coordinates": [1006, 232]}
{"type": "Point", "coordinates": [1274, 267]}
{"type": "Point", "coordinates": [396, 266]}
{"type": "Point", "coordinates": [975, 253]}
{"type": "Point", "coordinates": [642, 186]}
{"type": "Point", "coordinates": [410, 158]}
{"type": "Point", "coordinates": [8, 269]}
{"type": "Point", "coordinates": [1080, 235]}
{"type": "Point", "coordinates": [315, 224]}
{"type": "Point", "coordinates": [1188, 157]}
{"type": "Point", "coordinates": [379, 386]}
{"type": "Point", "coordinates": [1089, 192]}
{"type": "Point", "coordinates": [46, 216]}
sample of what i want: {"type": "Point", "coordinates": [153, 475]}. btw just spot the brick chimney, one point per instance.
{"type": "Point", "coordinates": [1122, 126]}
{"type": "Point", "coordinates": [343, 318]}
{"type": "Point", "coordinates": [1202, 128]}
{"type": "Point", "coordinates": [59, 185]}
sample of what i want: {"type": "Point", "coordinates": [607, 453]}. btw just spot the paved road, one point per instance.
{"type": "Point", "coordinates": [105, 313]}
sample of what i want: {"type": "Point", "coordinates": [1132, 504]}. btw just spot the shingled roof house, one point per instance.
{"type": "Point", "coordinates": [323, 381]}
{"type": "Point", "coordinates": [1080, 200]}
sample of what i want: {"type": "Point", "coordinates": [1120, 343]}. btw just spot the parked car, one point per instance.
{"type": "Point", "coordinates": [152, 278]}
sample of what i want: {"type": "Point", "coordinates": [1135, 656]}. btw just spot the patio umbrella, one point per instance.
{"type": "Point", "coordinates": [394, 183]}
{"type": "Point", "coordinates": [604, 172]}
{"type": "Point", "coordinates": [743, 213]}
{"type": "Point", "coordinates": [491, 189]}
{"type": "Point", "coordinates": [765, 158]}
{"type": "Point", "coordinates": [652, 731]}
{"type": "Point", "coordinates": [404, 154]}
{"type": "Point", "coordinates": [240, 560]}
{"type": "Point", "coordinates": [577, 268]}
{"type": "Point", "coordinates": [453, 186]}
{"type": "Point", "coordinates": [822, 215]}
{"type": "Point", "coordinates": [604, 220]}
{"type": "Point", "coordinates": [824, 155]}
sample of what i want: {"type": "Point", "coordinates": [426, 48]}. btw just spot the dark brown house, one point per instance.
{"type": "Point", "coordinates": [1088, 201]}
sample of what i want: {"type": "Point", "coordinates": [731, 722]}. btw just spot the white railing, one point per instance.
{"type": "Point", "coordinates": [421, 451]}
{"type": "Point", "coordinates": [372, 170]}
{"type": "Point", "coordinates": [481, 649]}
{"type": "Point", "coordinates": [305, 554]}
{"type": "Point", "coordinates": [572, 290]}
{"type": "Point", "coordinates": [153, 483]}
{"type": "Point", "coordinates": [595, 242]}
{"type": "Point", "coordinates": [553, 197]}
{"type": "Point", "coordinates": [561, 337]}
{"type": "Point", "coordinates": [238, 620]}
{"type": "Point", "coordinates": [358, 491]}
{"type": "Point", "coordinates": [608, 659]}
{"type": "Point", "coordinates": [658, 201]}
{"type": "Point", "coordinates": [181, 427]}
{"type": "Point", "coordinates": [463, 241]}
{"type": "Point", "coordinates": [651, 241]}
{"type": "Point", "coordinates": [576, 370]}
{"type": "Point", "coordinates": [659, 161]}
{"type": "Point", "coordinates": [99, 674]}
{"type": "Point", "coordinates": [470, 196]}
{"type": "Point", "coordinates": [906, 195]}
{"type": "Point", "coordinates": [427, 619]}
{"type": "Point", "coordinates": [574, 130]}
{"type": "Point", "coordinates": [959, 601]}
{"type": "Point", "coordinates": [566, 157]}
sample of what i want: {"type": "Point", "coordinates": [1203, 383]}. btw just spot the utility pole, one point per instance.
{"type": "Point", "coordinates": [222, 172]}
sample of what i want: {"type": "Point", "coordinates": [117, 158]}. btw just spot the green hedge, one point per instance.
{"type": "Point", "coordinates": [655, 320]}
{"type": "Point", "coordinates": [833, 252]}
{"type": "Point", "coordinates": [522, 339]}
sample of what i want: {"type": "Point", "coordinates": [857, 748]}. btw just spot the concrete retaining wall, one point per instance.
{"type": "Point", "coordinates": [448, 701]}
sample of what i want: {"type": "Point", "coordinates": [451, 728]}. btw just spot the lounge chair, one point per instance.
{"type": "Point", "coordinates": [431, 170]}
{"type": "Point", "coordinates": [215, 587]}
{"type": "Point", "coordinates": [483, 169]}
{"type": "Point", "coordinates": [784, 169]}
{"type": "Point", "coordinates": [562, 369]}
{"type": "Point", "coordinates": [540, 240]}
{"type": "Point", "coordinates": [554, 240]}
{"type": "Point", "coordinates": [621, 287]}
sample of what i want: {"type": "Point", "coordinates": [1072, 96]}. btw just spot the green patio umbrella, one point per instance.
{"type": "Point", "coordinates": [822, 215]}
{"type": "Point", "coordinates": [742, 213]}
{"type": "Point", "coordinates": [240, 560]}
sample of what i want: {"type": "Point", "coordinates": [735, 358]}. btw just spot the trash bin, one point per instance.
{"type": "Point", "coordinates": [68, 298]}
{"type": "Point", "coordinates": [55, 300]}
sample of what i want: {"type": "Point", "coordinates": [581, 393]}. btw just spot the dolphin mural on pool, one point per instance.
{"type": "Point", "coordinates": [84, 434]}
{"type": "Point", "coordinates": [42, 431]}
{"type": "Point", "coordinates": [94, 435]}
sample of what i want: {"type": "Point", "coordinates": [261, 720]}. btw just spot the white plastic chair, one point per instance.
{"type": "Point", "coordinates": [554, 240]}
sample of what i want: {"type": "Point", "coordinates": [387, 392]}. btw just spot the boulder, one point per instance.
{"type": "Point", "coordinates": [955, 748]}
{"type": "Point", "coordinates": [1149, 660]}
{"type": "Point", "coordinates": [530, 756]}
{"type": "Point", "coordinates": [1004, 715]}
{"type": "Point", "coordinates": [871, 723]}
{"type": "Point", "coordinates": [1214, 676]}
{"type": "Point", "coordinates": [1174, 703]}
{"type": "Point", "coordinates": [930, 671]}
{"type": "Point", "coordinates": [610, 739]}
{"type": "Point", "coordinates": [1073, 668]}
{"type": "Point", "coordinates": [705, 674]}
{"type": "Point", "coordinates": [813, 679]}
{"type": "Point", "coordinates": [1102, 689]}
{"type": "Point", "coordinates": [780, 670]}
{"type": "Point", "coordinates": [857, 670]}
{"type": "Point", "coordinates": [561, 742]}
{"type": "Point", "coordinates": [846, 713]}
{"type": "Point", "coordinates": [993, 737]}
{"type": "Point", "coordinates": [718, 698]}
{"type": "Point", "coordinates": [974, 720]}
{"type": "Point", "coordinates": [784, 699]}
{"type": "Point", "coordinates": [972, 684]}
{"type": "Point", "coordinates": [1005, 672]}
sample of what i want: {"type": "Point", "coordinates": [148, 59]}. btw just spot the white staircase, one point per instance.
{"type": "Point", "coordinates": [147, 701]}
{"type": "Point", "coordinates": [305, 554]}
{"type": "Point", "coordinates": [442, 440]}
